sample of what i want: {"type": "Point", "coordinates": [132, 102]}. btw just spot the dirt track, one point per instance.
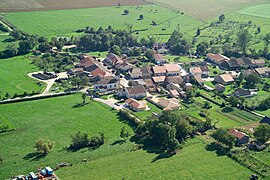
{"type": "Point", "coordinates": [38, 5]}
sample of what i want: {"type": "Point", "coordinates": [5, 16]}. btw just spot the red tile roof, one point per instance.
{"type": "Point", "coordinates": [237, 134]}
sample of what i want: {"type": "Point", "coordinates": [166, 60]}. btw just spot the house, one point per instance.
{"type": "Point", "coordinates": [107, 84]}
{"type": "Point", "coordinates": [166, 103]}
{"type": "Point", "coordinates": [235, 63]}
{"type": "Point", "coordinates": [88, 64]}
{"type": "Point", "coordinates": [195, 71]}
{"type": "Point", "coordinates": [146, 72]}
{"type": "Point", "coordinates": [159, 70]}
{"type": "Point", "coordinates": [243, 93]}
{"type": "Point", "coordinates": [172, 69]}
{"type": "Point", "coordinates": [142, 72]}
{"type": "Point", "coordinates": [263, 72]}
{"type": "Point", "coordinates": [112, 59]}
{"type": "Point", "coordinates": [125, 66]}
{"type": "Point", "coordinates": [159, 80]}
{"type": "Point", "coordinates": [265, 120]}
{"type": "Point", "coordinates": [135, 92]}
{"type": "Point", "coordinates": [248, 72]}
{"type": "Point", "coordinates": [150, 85]}
{"type": "Point", "coordinates": [159, 59]}
{"type": "Point", "coordinates": [188, 86]}
{"type": "Point", "coordinates": [220, 88]}
{"type": "Point", "coordinates": [241, 137]}
{"type": "Point", "coordinates": [135, 105]}
{"type": "Point", "coordinates": [74, 71]}
{"type": "Point", "coordinates": [174, 93]}
{"type": "Point", "coordinates": [224, 79]}
{"type": "Point", "coordinates": [205, 71]}
{"type": "Point", "coordinates": [136, 73]}
{"type": "Point", "coordinates": [216, 58]}
{"type": "Point", "coordinates": [258, 63]}
{"type": "Point", "coordinates": [174, 80]}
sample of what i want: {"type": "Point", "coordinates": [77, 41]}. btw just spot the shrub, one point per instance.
{"type": "Point", "coordinates": [44, 146]}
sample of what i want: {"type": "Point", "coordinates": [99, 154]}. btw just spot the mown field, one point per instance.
{"type": "Point", "coordinates": [34, 5]}
{"type": "Point", "coordinates": [65, 22]}
{"type": "Point", "coordinates": [14, 78]}
{"type": "Point", "coordinates": [208, 8]}
{"type": "Point", "coordinates": [262, 10]}
{"type": "Point", "coordinates": [55, 119]}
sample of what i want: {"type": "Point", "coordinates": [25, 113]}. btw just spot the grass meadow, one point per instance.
{"type": "Point", "coordinates": [14, 78]}
{"type": "Point", "coordinates": [65, 22]}
{"type": "Point", "coordinates": [55, 119]}
{"type": "Point", "coordinates": [192, 162]}
{"type": "Point", "coordinates": [262, 10]}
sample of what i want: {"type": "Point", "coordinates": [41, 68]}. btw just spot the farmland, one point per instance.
{"type": "Point", "coordinates": [66, 22]}
{"type": "Point", "coordinates": [258, 11]}
{"type": "Point", "coordinates": [17, 81]}
{"type": "Point", "coordinates": [56, 119]}
{"type": "Point", "coordinates": [34, 5]}
{"type": "Point", "coordinates": [206, 9]}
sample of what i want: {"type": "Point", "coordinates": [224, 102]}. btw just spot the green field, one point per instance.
{"type": "Point", "coordinates": [14, 78]}
{"type": "Point", "coordinates": [65, 22]}
{"type": "Point", "coordinates": [262, 10]}
{"type": "Point", "coordinates": [192, 162]}
{"type": "Point", "coordinates": [145, 114]}
{"type": "Point", "coordinates": [207, 8]}
{"type": "Point", "coordinates": [56, 119]}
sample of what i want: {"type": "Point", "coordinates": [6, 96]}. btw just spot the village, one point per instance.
{"type": "Point", "coordinates": [122, 83]}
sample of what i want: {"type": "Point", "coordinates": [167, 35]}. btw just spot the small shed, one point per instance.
{"type": "Point", "coordinates": [33, 176]}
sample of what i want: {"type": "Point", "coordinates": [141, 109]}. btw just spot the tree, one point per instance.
{"type": "Point", "coordinates": [79, 140]}
{"type": "Point", "coordinates": [126, 12]}
{"type": "Point", "coordinates": [265, 104]}
{"type": "Point", "coordinates": [183, 129]}
{"type": "Point", "coordinates": [83, 97]}
{"type": "Point", "coordinates": [141, 17]}
{"type": "Point", "coordinates": [124, 134]}
{"type": "Point", "coordinates": [150, 53]}
{"type": "Point", "coordinates": [221, 18]}
{"type": "Point", "coordinates": [198, 32]}
{"type": "Point", "coordinates": [243, 39]}
{"type": "Point", "coordinates": [16, 34]}
{"type": "Point", "coordinates": [259, 29]}
{"type": "Point", "coordinates": [223, 136]}
{"type": "Point", "coordinates": [25, 46]}
{"type": "Point", "coordinates": [11, 50]}
{"type": "Point", "coordinates": [43, 47]}
{"type": "Point", "coordinates": [234, 101]}
{"type": "Point", "coordinates": [252, 79]}
{"type": "Point", "coordinates": [44, 146]}
{"type": "Point", "coordinates": [116, 50]}
{"type": "Point", "coordinates": [266, 39]}
{"type": "Point", "coordinates": [172, 145]}
{"type": "Point", "coordinates": [202, 48]}
{"type": "Point", "coordinates": [262, 133]}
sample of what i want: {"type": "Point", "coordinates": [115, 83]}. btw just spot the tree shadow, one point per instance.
{"type": "Point", "coordinates": [80, 105]}
{"type": "Point", "coordinates": [118, 142]}
{"type": "Point", "coordinates": [162, 156]}
{"type": "Point", "coordinates": [125, 121]}
{"type": "Point", "coordinates": [34, 156]}
{"type": "Point", "coordinates": [217, 148]}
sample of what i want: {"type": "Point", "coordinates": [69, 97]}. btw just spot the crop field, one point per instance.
{"type": "Point", "coordinates": [14, 78]}
{"type": "Point", "coordinates": [206, 9]}
{"type": "Point", "coordinates": [34, 5]}
{"type": "Point", "coordinates": [66, 22]}
{"type": "Point", "coordinates": [262, 10]}
{"type": "Point", "coordinates": [55, 119]}
{"type": "Point", "coordinates": [192, 162]}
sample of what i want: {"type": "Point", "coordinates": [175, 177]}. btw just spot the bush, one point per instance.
{"type": "Point", "coordinates": [44, 146]}
{"type": "Point", "coordinates": [82, 140]}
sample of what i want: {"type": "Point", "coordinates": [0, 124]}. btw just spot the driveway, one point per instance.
{"type": "Point", "coordinates": [110, 102]}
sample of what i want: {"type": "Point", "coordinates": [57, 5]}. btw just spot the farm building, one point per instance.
{"type": "Point", "coordinates": [241, 137]}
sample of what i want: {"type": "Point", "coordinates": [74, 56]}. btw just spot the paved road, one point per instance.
{"type": "Point", "coordinates": [49, 82]}
{"type": "Point", "coordinates": [110, 102]}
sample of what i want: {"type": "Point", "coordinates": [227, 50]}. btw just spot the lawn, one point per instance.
{"type": "Point", "coordinates": [145, 114]}
{"type": "Point", "coordinates": [65, 22]}
{"type": "Point", "coordinates": [55, 119]}
{"type": "Point", "coordinates": [192, 162]}
{"type": "Point", "coordinates": [14, 78]}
